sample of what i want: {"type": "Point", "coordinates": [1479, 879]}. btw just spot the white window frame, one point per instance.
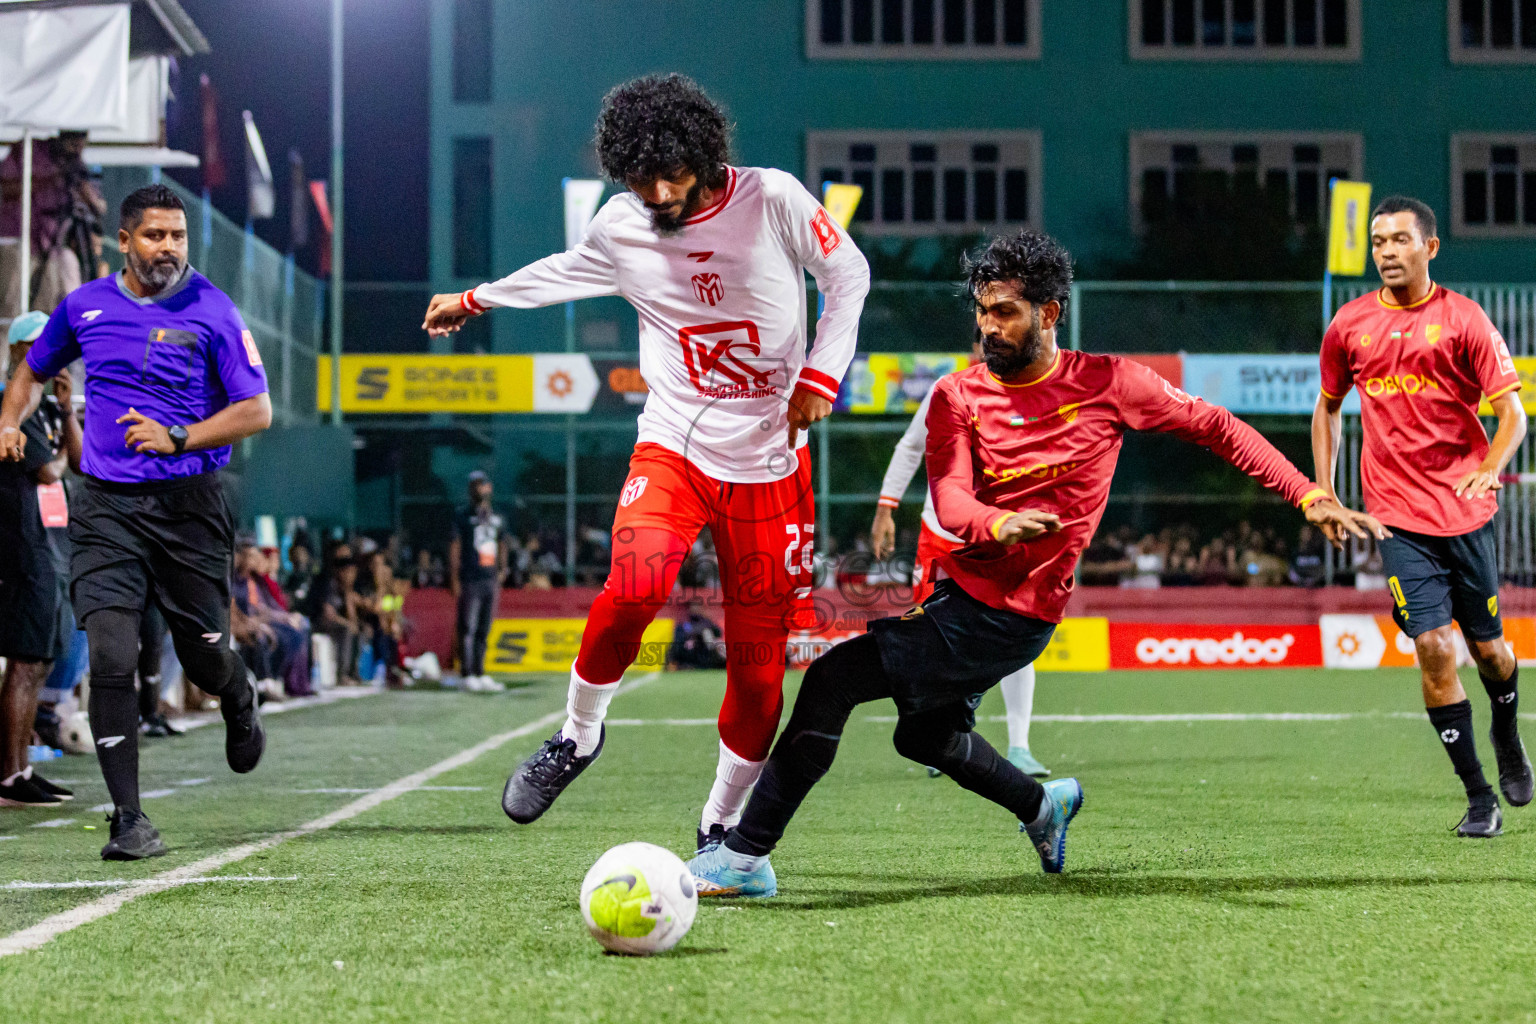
{"type": "Point", "coordinates": [1136, 165]}
{"type": "Point", "coordinates": [1485, 54]}
{"type": "Point", "coordinates": [1459, 226]}
{"type": "Point", "coordinates": [939, 50]}
{"type": "Point", "coordinates": [1024, 142]}
{"type": "Point", "coordinates": [1259, 52]}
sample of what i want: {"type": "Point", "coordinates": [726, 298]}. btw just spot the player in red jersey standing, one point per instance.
{"type": "Point", "coordinates": [713, 258]}
{"type": "Point", "coordinates": [1423, 358]}
{"type": "Point", "coordinates": [1021, 450]}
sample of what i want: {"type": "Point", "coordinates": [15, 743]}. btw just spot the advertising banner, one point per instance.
{"type": "Point", "coordinates": [1078, 645]}
{"type": "Point", "coordinates": [551, 645]}
{"type": "Point", "coordinates": [1259, 383]}
{"type": "Point", "coordinates": [1374, 641]}
{"type": "Point", "coordinates": [1210, 645]}
{"type": "Point", "coordinates": [1349, 227]}
{"type": "Point", "coordinates": [1525, 366]}
{"type": "Point", "coordinates": [417, 383]}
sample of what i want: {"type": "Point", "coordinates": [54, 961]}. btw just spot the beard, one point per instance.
{"type": "Point", "coordinates": [667, 223]}
{"type": "Point", "coordinates": [158, 274]}
{"type": "Point", "coordinates": [1005, 360]}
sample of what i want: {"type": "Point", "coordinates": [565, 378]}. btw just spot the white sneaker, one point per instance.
{"type": "Point", "coordinates": [489, 685]}
{"type": "Point", "coordinates": [469, 683]}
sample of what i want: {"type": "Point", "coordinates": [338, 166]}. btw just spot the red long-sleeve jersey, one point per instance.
{"type": "Point", "coordinates": [1051, 445]}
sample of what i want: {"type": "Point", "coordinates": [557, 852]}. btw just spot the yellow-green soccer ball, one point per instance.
{"type": "Point", "coordinates": [638, 899]}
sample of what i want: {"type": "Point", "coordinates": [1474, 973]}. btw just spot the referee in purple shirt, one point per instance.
{"type": "Point", "coordinates": [172, 379]}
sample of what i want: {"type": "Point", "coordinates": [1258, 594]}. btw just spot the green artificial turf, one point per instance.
{"type": "Point", "coordinates": [1220, 871]}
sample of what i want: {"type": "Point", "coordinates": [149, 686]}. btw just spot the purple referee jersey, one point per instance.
{"type": "Point", "coordinates": [178, 358]}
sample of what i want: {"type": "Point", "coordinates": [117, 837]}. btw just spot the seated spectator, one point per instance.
{"type": "Point", "coordinates": [1150, 557]}
{"type": "Point", "coordinates": [334, 610]}
{"type": "Point", "coordinates": [697, 642]}
{"type": "Point", "coordinates": [301, 576]}
{"type": "Point", "coordinates": [1105, 563]}
{"type": "Point", "coordinates": [1308, 568]}
{"type": "Point", "coordinates": [280, 649]}
{"type": "Point", "coordinates": [428, 570]}
{"type": "Point", "coordinates": [379, 606]}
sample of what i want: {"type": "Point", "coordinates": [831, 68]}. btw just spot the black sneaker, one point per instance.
{"type": "Point", "coordinates": [46, 724]}
{"type": "Point", "coordinates": [1515, 780]}
{"type": "Point", "coordinates": [157, 725]}
{"type": "Point", "coordinates": [51, 788]}
{"type": "Point", "coordinates": [544, 776]}
{"type": "Point", "coordinates": [1483, 819]}
{"type": "Point", "coordinates": [23, 792]}
{"type": "Point", "coordinates": [711, 839]}
{"type": "Point", "coordinates": [133, 837]}
{"type": "Point", "coordinates": [244, 738]}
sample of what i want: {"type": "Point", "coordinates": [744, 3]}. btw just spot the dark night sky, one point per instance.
{"type": "Point", "coordinates": [273, 58]}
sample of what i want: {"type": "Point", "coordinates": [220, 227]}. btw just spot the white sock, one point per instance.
{"type": "Point", "coordinates": [734, 778]}
{"type": "Point", "coordinates": [1018, 704]}
{"type": "Point", "coordinates": [586, 705]}
{"type": "Point", "coordinates": [11, 781]}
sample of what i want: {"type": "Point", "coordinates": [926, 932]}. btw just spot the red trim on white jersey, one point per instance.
{"type": "Point", "coordinates": [885, 502]}
{"type": "Point", "coordinates": [467, 300]}
{"type": "Point", "coordinates": [821, 383]}
{"type": "Point", "coordinates": [710, 211]}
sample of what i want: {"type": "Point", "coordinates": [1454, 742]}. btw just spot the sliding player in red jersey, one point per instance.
{"type": "Point", "coordinates": [713, 258]}
{"type": "Point", "coordinates": [1021, 451]}
{"type": "Point", "coordinates": [1423, 358]}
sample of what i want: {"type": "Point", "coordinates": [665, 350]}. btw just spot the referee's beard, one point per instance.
{"type": "Point", "coordinates": [1008, 359]}
{"type": "Point", "coordinates": [156, 275]}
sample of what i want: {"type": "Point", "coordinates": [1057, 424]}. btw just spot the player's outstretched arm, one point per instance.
{"type": "Point", "coordinates": [584, 272]}
{"type": "Point", "coordinates": [1511, 413]}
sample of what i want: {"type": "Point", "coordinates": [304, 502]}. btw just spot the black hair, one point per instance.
{"type": "Point", "coordinates": [650, 127]}
{"type": "Point", "coordinates": [150, 197]}
{"type": "Point", "coordinates": [1407, 204]}
{"type": "Point", "coordinates": [1039, 263]}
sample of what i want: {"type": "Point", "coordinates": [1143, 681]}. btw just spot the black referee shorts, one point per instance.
{"type": "Point", "coordinates": [1436, 579]}
{"type": "Point", "coordinates": [952, 649]}
{"type": "Point", "coordinates": [174, 539]}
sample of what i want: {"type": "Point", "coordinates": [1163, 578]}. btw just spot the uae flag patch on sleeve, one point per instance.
{"type": "Point", "coordinates": [252, 353]}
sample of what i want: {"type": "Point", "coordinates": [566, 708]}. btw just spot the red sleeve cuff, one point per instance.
{"type": "Point", "coordinates": [885, 502]}
{"type": "Point", "coordinates": [820, 383]}
{"type": "Point", "coordinates": [467, 300]}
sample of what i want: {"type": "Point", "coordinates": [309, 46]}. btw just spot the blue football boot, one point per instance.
{"type": "Point", "coordinates": [716, 873]}
{"type": "Point", "coordinates": [1050, 839]}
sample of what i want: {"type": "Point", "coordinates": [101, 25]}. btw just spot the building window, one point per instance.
{"type": "Point", "coordinates": [1204, 177]}
{"type": "Point", "coordinates": [471, 51]}
{"type": "Point", "coordinates": [923, 29]}
{"type": "Point", "coordinates": [1245, 29]}
{"type": "Point", "coordinates": [1493, 186]}
{"type": "Point", "coordinates": [932, 183]}
{"type": "Point", "coordinates": [472, 208]}
{"type": "Point", "coordinates": [1492, 31]}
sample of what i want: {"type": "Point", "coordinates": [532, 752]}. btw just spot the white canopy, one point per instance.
{"type": "Point", "coordinates": [64, 68]}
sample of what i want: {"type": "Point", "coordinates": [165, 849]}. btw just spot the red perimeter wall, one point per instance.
{"type": "Point", "coordinates": [431, 612]}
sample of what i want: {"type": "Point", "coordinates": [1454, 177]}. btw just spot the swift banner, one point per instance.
{"type": "Point", "coordinates": [460, 383]}
{"type": "Point", "coordinates": [895, 382]}
{"type": "Point", "coordinates": [1259, 383]}
{"type": "Point", "coordinates": [1525, 366]}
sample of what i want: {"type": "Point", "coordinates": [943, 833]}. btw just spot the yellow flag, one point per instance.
{"type": "Point", "coordinates": [841, 201]}
{"type": "Point", "coordinates": [1349, 227]}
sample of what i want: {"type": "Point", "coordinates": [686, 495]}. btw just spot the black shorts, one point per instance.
{"type": "Point", "coordinates": [1436, 579]}
{"type": "Point", "coordinates": [173, 539]}
{"type": "Point", "coordinates": [953, 648]}
{"type": "Point", "coordinates": [33, 615]}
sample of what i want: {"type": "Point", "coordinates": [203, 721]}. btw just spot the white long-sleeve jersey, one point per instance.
{"type": "Point", "coordinates": [722, 305]}
{"type": "Point", "coordinates": [908, 455]}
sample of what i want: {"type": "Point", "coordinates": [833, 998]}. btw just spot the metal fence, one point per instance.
{"type": "Point", "coordinates": [283, 306]}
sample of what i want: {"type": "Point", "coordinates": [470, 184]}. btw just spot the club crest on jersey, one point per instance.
{"type": "Point", "coordinates": [632, 490]}
{"type": "Point", "coordinates": [826, 233]}
{"type": "Point", "coordinates": [252, 353]}
{"type": "Point", "coordinates": [717, 357]}
{"type": "Point", "coordinates": [708, 288]}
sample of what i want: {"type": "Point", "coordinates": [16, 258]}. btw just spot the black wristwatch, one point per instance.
{"type": "Point", "coordinates": [178, 438]}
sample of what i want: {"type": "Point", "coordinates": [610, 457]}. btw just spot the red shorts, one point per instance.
{"type": "Point", "coordinates": [930, 547]}
{"type": "Point", "coordinates": [764, 534]}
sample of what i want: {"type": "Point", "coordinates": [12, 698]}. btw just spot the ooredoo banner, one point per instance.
{"type": "Point", "coordinates": [1208, 645]}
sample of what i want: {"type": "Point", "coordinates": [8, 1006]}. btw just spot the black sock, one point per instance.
{"type": "Point", "coordinates": [149, 696]}
{"type": "Point", "coordinates": [1504, 701]}
{"type": "Point", "coordinates": [115, 727]}
{"type": "Point", "coordinates": [797, 763]}
{"type": "Point", "coordinates": [977, 766]}
{"type": "Point", "coordinates": [1453, 722]}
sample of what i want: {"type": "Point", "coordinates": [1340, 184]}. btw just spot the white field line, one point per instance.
{"type": "Point", "coordinates": [55, 823]}
{"type": "Point", "coordinates": [419, 789]}
{"type": "Point", "coordinates": [49, 928]}
{"type": "Point", "coordinates": [117, 883]}
{"type": "Point", "coordinates": [1220, 716]}
{"type": "Point", "coordinates": [186, 723]}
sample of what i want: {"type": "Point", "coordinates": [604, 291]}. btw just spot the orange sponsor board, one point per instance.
{"type": "Point", "coordinates": [1374, 641]}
